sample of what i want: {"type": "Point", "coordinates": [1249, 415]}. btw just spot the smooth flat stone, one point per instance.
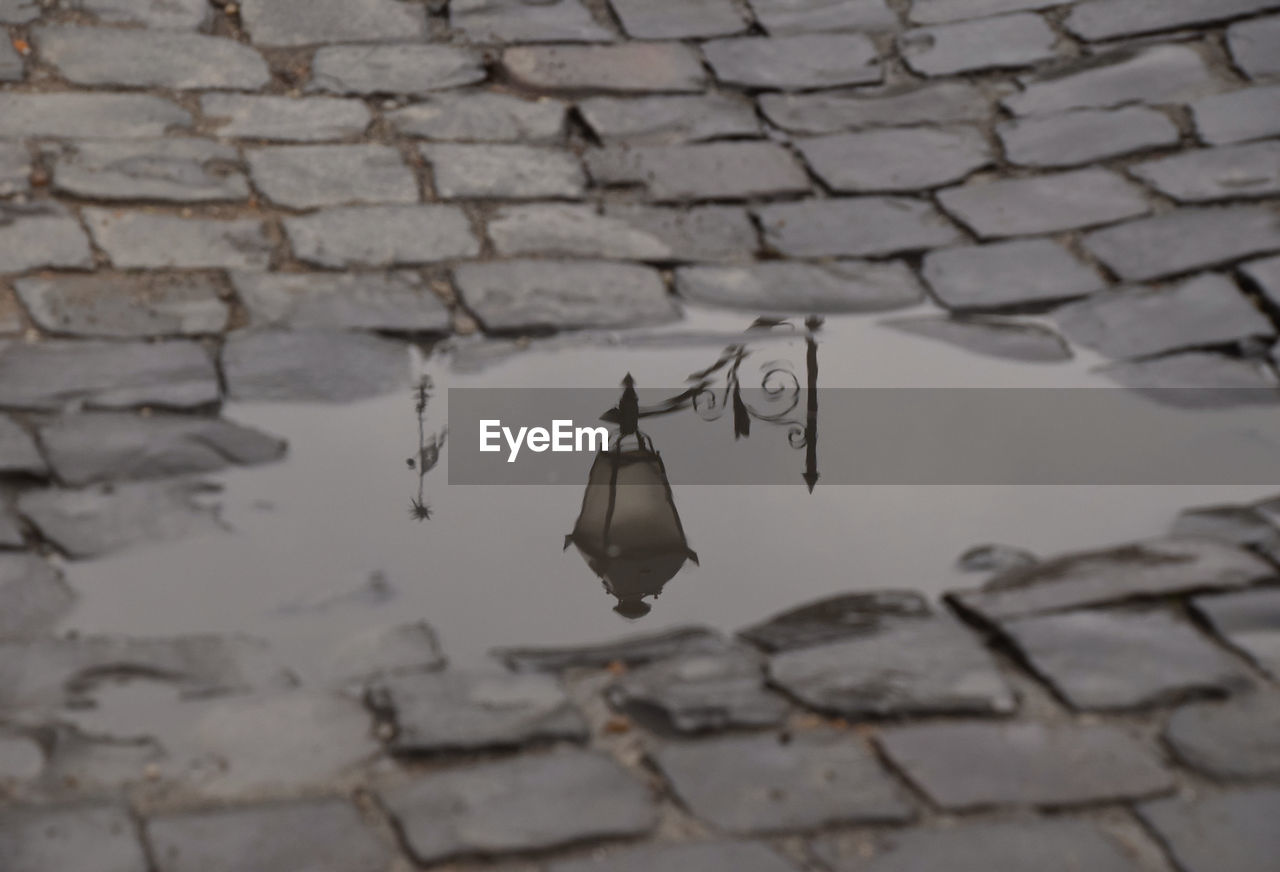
{"type": "Point", "coordinates": [1085, 135]}
{"type": "Point", "coordinates": [670, 120]}
{"type": "Point", "coordinates": [125, 306]}
{"type": "Point", "coordinates": [896, 159]}
{"type": "Point", "coordinates": [381, 236]}
{"type": "Point", "coordinates": [97, 837]}
{"type": "Point", "coordinates": [1253, 46]}
{"type": "Point", "coordinates": [708, 171]}
{"type": "Point", "coordinates": [1197, 379]}
{"type": "Point", "coordinates": [393, 302]}
{"type": "Point", "coordinates": [394, 69]}
{"type": "Point", "coordinates": [1234, 172]}
{"type": "Point", "coordinates": [833, 111]}
{"type": "Point", "coordinates": [314, 366]}
{"type": "Point", "coordinates": [99, 115]}
{"type": "Point", "coordinates": [639, 67]}
{"type": "Point", "coordinates": [1001, 42]}
{"type": "Point", "coordinates": [1234, 740]}
{"type": "Point", "coordinates": [401, 649]}
{"type": "Point", "coordinates": [855, 227]}
{"type": "Point", "coordinates": [309, 176]}
{"type": "Point", "coordinates": [284, 119]}
{"type": "Point", "coordinates": [796, 63]}
{"type": "Point", "coordinates": [1266, 275]}
{"type": "Point", "coordinates": [783, 17]}
{"type": "Point", "coordinates": [167, 170]}
{"type": "Point", "coordinates": [33, 596]}
{"type": "Point", "coordinates": [503, 171]}
{"type": "Point", "coordinates": [147, 59]}
{"type": "Point", "coordinates": [695, 857]}
{"type": "Point", "coordinates": [307, 22]}
{"type": "Point", "coordinates": [1045, 204]}
{"type": "Point", "coordinates": [835, 618]}
{"type": "Point", "coordinates": [18, 451]}
{"type": "Point", "coordinates": [140, 240]}
{"type": "Point", "coordinates": [1096, 20]}
{"type": "Point", "coordinates": [1238, 116]}
{"type": "Point", "coordinates": [526, 21]}
{"type": "Point", "coordinates": [1250, 621]}
{"type": "Point", "coordinates": [630, 651]}
{"type": "Point", "coordinates": [839, 286]}
{"type": "Point", "coordinates": [678, 19]}
{"type": "Point", "coordinates": [481, 116]}
{"type": "Point", "coordinates": [1230, 832]}
{"type": "Point", "coordinates": [42, 234]}
{"type": "Point", "coordinates": [1009, 340]}
{"type": "Point", "coordinates": [1003, 275]}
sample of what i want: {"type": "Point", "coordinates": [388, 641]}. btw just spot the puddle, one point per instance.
{"type": "Point", "coordinates": [324, 544]}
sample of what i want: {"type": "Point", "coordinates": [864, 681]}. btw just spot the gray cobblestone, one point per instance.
{"type": "Point", "coordinates": [33, 593]}
{"type": "Point", "coordinates": [100, 116]}
{"type": "Point", "coordinates": [40, 235]}
{"type": "Point", "coordinates": [312, 365]}
{"type": "Point", "coordinates": [855, 227]}
{"type": "Point", "coordinates": [397, 301]}
{"type": "Point", "coordinates": [678, 19]}
{"type": "Point", "coordinates": [825, 112]}
{"type": "Point", "coordinates": [1230, 832]}
{"type": "Point", "coordinates": [526, 21]}
{"type": "Point", "coordinates": [146, 240]}
{"type": "Point", "coordinates": [1266, 275]}
{"type": "Point", "coordinates": [514, 172]}
{"type": "Point", "coordinates": [1180, 379]}
{"type": "Point", "coordinates": [1008, 274]}
{"type": "Point", "coordinates": [15, 168]}
{"type": "Point", "coordinates": [839, 286]}
{"type": "Point", "coordinates": [81, 838]}
{"type": "Point", "coordinates": [632, 68]}
{"type": "Point", "coordinates": [1236, 739]}
{"type": "Point", "coordinates": [1185, 240]}
{"type": "Point", "coordinates": [896, 159]}
{"type": "Point", "coordinates": [1006, 41]}
{"type": "Point", "coordinates": [795, 62]}
{"type": "Point", "coordinates": [482, 116]}
{"type": "Point", "coordinates": [1045, 204]}
{"type": "Point", "coordinates": [934, 11]}
{"type": "Point", "coordinates": [394, 69]}
{"type": "Point", "coordinates": [11, 67]}
{"type": "Point", "coordinates": [399, 649]}
{"type": "Point", "coordinates": [149, 59]}
{"type": "Point", "coordinates": [1009, 340]}
{"type": "Point", "coordinates": [11, 537]}
{"type": "Point", "coordinates": [709, 171]}
{"type": "Point", "coordinates": [629, 651]}
{"type": "Point", "coordinates": [306, 22]}
{"type": "Point", "coordinates": [307, 176]}
{"type": "Point", "coordinates": [1253, 46]}
{"type": "Point", "coordinates": [694, 857]}
{"type": "Point", "coordinates": [1085, 135]}
{"type": "Point", "coordinates": [784, 17]}
{"type": "Point", "coordinates": [1250, 621]}
{"type": "Point", "coordinates": [18, 452]}
{"type": "Point", "coordinates": [1251, 113]}
{"type": "Point", "coordinates": [284, 119]}
{"type": "Point", "coordinates": [380, 236]}
{"type": "Point", "coordinates": [1111, 19]}
{"type": "Point", "coordinates": [164, 15]}
{"type": "Point", "coordinates": [670, 120]}
{"type": "Point", "coordinates": [123, 306]}
{"type": "Point", "coordinates": [171, 170]}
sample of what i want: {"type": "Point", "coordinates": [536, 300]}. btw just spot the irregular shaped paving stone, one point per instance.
{"type": "Point", "coordinates": [306, 834]}
{"type": "Point", "coordinates": [1250, 113]}
{"type": "Point", "coordinates": [482, 116]}
{"type": "Point", "coordinates": [795, 63]}
{"type": "Point", "coordinates": [634, 67]}
{"type": "Point", "coordinates": [306, 22]}
{"type": "Point", "coordinates": [526, 21]}
{"type": "Point", "coordinates": [1185, 240]}
{"type": "Point", "coordinates": [838, 286]}
{"type": "Point", "coordinates": [1096, 20]}
{"type": "Point", "coordinates": [314, 365]}
{"type": "Point", "coordinates": [468, 711]}
{"type": "Point", "coordinates": [678, 19]}
{"type": "Point", "coordinates": [701, 692]}
{"type": "Point", "coordinates": [782, 17]}
{"type": "Point", "coordinates": [503, 171]}
{"type": "Point", "coordinates": [15, 168]}
{"type": "Point", "coordinates": [384, 651]}
{"type": "Point", "coordinates": [523, 804]}
{"type": "Point", "coordinates": [1085, 135]}
{"type": "Point", "coordinates": [971, 765]}
{"type": "Point", "coordinates": [830, 112]}
{"type": "Point", "coordinates": [1010, 340]}
{"type": "Point", "coordinates": [176, 170]}
{"type": "Point", "coordinates": [1250, 621]}
{"type": "Point", "coordinates": [759, 785]}
{"type": "Point", "coordinates": [1229, 832]}
{"type": "Point", "coordinates": [1045, 204]}
{"type": "Point", "coordinates": [1004, 41]}
{"type": "Point", "coordinates": [896, 159]}
{"type": "Point", "coordinates": [381, 236]}
{"type": "Point", "coordinates": [525, 294]}
{"type": "Point", "coordinates": [154, 241]}
{"type": "Point", "coordinates": [1237, 739]}
{"type": "Point", "coordinates": [125, 307]}
{"type": "Point", "coordinates": [672, 120]}
{"type": "Point", "coordinates": [53, 373]}
{"type": "Point", "coordinates": [630, 651]}
{"type": "Point", "coordinates": [164, 15]}
{"type": "Point", "coordinates": [995, 558]}
{"type": "Point", "coordinates": [284, 119]}
{"type": "Point", "coordinates": [393, 69]}
{"type": "Point", "coordinates": [396, 301]}
{"type": "Point", "coordinates": [1197, 380]}
{"type": "Point", "coordinates": [1253, 46]}
{"type": "Point", "coordinates": [89, 448]}
{"type": "Point", "coordinates": [933, 11]}
{"type": "Point", "coordinates": [1156, 567]}
{"type": "Point", "coordinates": [904, 668]}
{"type": "Point", "coordinates": [696, 857]}
{"type": "Point", "coordinates": [1159, 74]}
{"type": "Point", "coordinates": [1266, 275]}
{"type": "Point", "coordinates": [34, 235]}
{"type": "Point", "coordinates": [1228, 173]}
{"type": "Point", "coordinates": [624, 231]}
{"type": "Point", "coordinates": [1137, 322]}
{"type": "Point", "coordinates": [11, 66]}
{"type": "Point", "coordinates": [76, 838]}
{"type": "Point", "coordinates": [18, 451]}
{"type": "Point", "coordinates": [147, 59]}
{"type": "Point", "coordinates": [843, 616]}
{"type": "Point", "coordinates": [33, 596]}
{"type": "Point", "coordinates": [710, 171]}
{"type": "Point", "coordinates": [307, 176]}
{"type": "Point", "coordinates": [96, 115]}
{"type": "Point", "coordinates": [855, 227]}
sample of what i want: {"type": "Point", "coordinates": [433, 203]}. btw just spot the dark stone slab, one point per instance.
{"type": "Point", "coordinates": [1250, 621]}
{"type": "Point", "coordinates": [402, 649]}
{"type": "Point", "coordinates": [833, 111]}
{"type": "Point", "coordinates": [1004, 41]}
{"type": "Point", "coordinates": [310, 176]}
{"type": "Point", "coordinates": [394, 302]}
{"type": "Point", "coordinates": [1238, 116]}
{"type": "Point", "coordinates": [1239, 525]}
{"type": "Point", "coordinates": [1085, 135]}
{"type": "Point", "coordinates": [53, 373]}
{"type": "Point", "coordinates": [1157, 567]}
{"type": "Point", "coordinates": [166, 170]}
{"type": "Point", "coordinates": [73, 838]}
{"type": "Point", "coordinates": [836, 286]}
{"type": "Point", "coordinates": [18, 451]}
{"type": "Point", "coordinates": [394, 69]}
{"type": "Point", "coordinates": [149, 59]}
{"type": "Point", "coordinates": [1253, 46]}
{"type": "Point", "coordinates": [695, 857]}
{"type": "Point", "coordinates": [795, 63]}
{"type": "Point", "coordinates": [855, 227]}
{"type": "Point", "coordinates": [526, 21]}
{"type": "Point", "coordinates": [41, 234]}
{"type": "Point", "coordinates": [315, 365]}
{"type": "Point", "coordinates": [678, 19]}
{"type": "Point", "coordinates": [1097, 20]}
{"type": "Point", "coordinates": [381, 236]}
{"type": "Point", "coordinates": [481, 116]}
{"type": "Point", "coordinates": [306, 22]}
{"type": "Point", "coordinates": [963, 766]}
{"type": "Point", "coordinates": [672, 120]}
{"type": "Point", "coordinates": [709, 171]}
{"type": "Point", "coordinates": [995, 558]}
{"type": "Point", "coordinates": [33, 596]}
{"type": "Point", "coordinates": [284, 119]}
{"type": "Point", "coordinates": [125, 306]}
{"type": "Point", "coordinates": [1235, 172]}
{"type": "Point", "coordinates": [843, 616]}
{"type": "Point", "coordinates": [67, 114]}
{"type": "Point", "coordinates": [1004, 275]}
{"type": "Point", "coordinates": [523, 804]}
{"type": "Point", "coordinates": [1009, 340]}
{"type": "Point", "coordinates": [759, 785]}
{"type": "Point", "coordinates": [144, 240]}
{"type": "Point", "coordinates": [630, 651]}
{"type": "Point", "coordinates": [1237, 739]}
{"type": "Point", "coordinates": [1045, 204]}
{"type": "Point", "coordinates": [503, 171]}
{"type": "Point", "coordinates": [1197, 380]}
{"type": "Point", "coordinates": [1230, 832]}
{"type": "Point", "coordinates": [319, 834]}
{"type": "Point", "coordinates": [782, 17]}
{"type": "Point", "coordinates": [896, 159]}
{"type": "Point", "coordinates": [640, 67]}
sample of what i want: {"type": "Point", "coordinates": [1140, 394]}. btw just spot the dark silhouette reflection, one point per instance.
{"type": "Point", "coordinates": [428, 454]}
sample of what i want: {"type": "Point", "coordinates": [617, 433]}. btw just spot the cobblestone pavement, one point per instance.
{"type": "Point", "coordinates": [263, 199]}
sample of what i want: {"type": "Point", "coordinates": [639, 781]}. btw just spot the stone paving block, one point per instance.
{"type": "Point", "coordinates": [531, 294]}
{"type": "Point", "coordinates": [475, 710]}
{"type": "Point", "coordinates": [526, 21]}
{"type": "Point", "coordinates": [795, 63]}
{"type": "Point", "coordinates": [15, 168]}
{"type": "Point", "coordinates": [1005, 41]}
{"type": "Point", "coordinates": [693, 857]}
{"type": "Point", "coordinates": [1197, 380]}
{"type": "Point", "coordinates": [1254, 46]}
{"type": "Point", "coordinates": [108, 446]}
{"type": "Point", "coordinates": [906, 668]}
{"type": "Point", "coordinates": [670, 120]}
{"type": "Point", "coordinates": [710, 171]}
{"type": "Point", "coordinates": [38, 235]}
{"type": "Point", "coordinates": [11, 66]}
{"type": "Point", "coordinates": [149, 59]}
{"type": "Point", "coordinates": [503, 171]}
{"type": "Point", "coordinates": [896, 159]}
{"type": "Point", "coordinates": [784, 17]}
{"type": "Point", "coordinates": [381, 236]}
{"type": "Point", "coordinates": [307, 22]}
{"type": "Point", "coordinates": [19, 11]}
{"type": "Point", "coordinates": [971, 765]}
{"type": "Point", "coordinates": [1239, 525]}
{"type": "Point", "coordinates": [830, 112]}
{"type": "Point", "coordinates": [1009, 340]}
{"type": "Point", "coordinates": [401, 649]}
{"type": "Point", "coordinates": [1096, 20]}
{"type": "Point", "coordinates": [125, 306]}
{"type": "Point", "coordinates": [1155, 567]}
{"type": "Point", "coordinates": [91, 115]}
{"type": "Point", "coordinates": [1138, 322]}
{"type": "Point", "coordinates": [18, 451]}
{"type": "Point", "coordinates": [73, 838]}
{"type": "Point", "coordinates": [309, 176]}
{"type": "Point", "coordinates": [1184, 240]}
{"type": "Point", "coordinates": [1030, 272]}
{"type": "Point", "coordinates": [1238, 116]}
{"type": "Point", "coordinates": [855, 226]}
{"type": "Point", "coordinates": [838, 286]}
{"type": "Point", "coordinates": [630, 651]}
{"type": "Point", "coordinates": [155, 241]}
{"type": "Point", "coordinates": [1266, 275]}
{"type": "Point", "coordinates": [284, 119]}
{"type": "Point", "coordinates": [394, 69]}
{"type": "Point", "coordinates": [1046, 203]}
{"type": "Point", "coordinates": [163, 15]}
{"type": "Point", "coordinates": [1250, 621]}
{"type": "Point", "coordinates": [308, 834]}
{"type": "Point", "coordinates": [396, 301]}
{"type": "Point", "coordinates": [53, 373]}
{"type": "Point", "coordinates": [1155, 75]}
{"type": "Point", "coordinates": [314, 365]}
{"type": "Point", "coordinates": [1085, 135]}
{"type": "Point", "coordinates": [172, 170]}
{"type": "Point", "coordinates": [1229, 832]}
{"type": "Point", "coordinates": [678, 19]}
{"type": "Point", "coordinates": [482, 116]}
{"type": "Point", "coordinates": [527, 803]}
{"type": "Point", "coordinates": [935, 11]}
{"type": "Point", "coordinates": [631, 68]}
{"type": "Point", "coordinates": [1249, 171]}
{"type": "Point", "coordinates": [1236, 740]}
{"type": "Point", "coordinates": [624, 231]}
{"type": "Point", "coordinates": [834, 618]}
{"type": "Point", "coordinates": [33, 596]}
{"type": "Point", "coordinates": [759, 785]}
